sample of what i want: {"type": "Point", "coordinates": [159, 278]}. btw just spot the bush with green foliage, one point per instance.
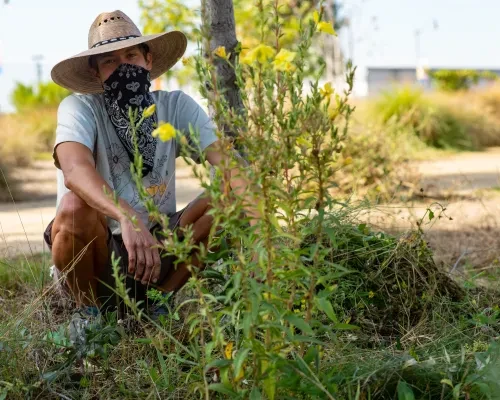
{"type": "Point", "coordinates": [45, 95]}
{"type": "Point", "coordinates": [439, 121]}
{"type": "Point", "coordinates": [455, 80]}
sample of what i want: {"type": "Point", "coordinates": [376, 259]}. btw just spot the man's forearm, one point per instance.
{"type": "Point", "coordinates": [88, 184]}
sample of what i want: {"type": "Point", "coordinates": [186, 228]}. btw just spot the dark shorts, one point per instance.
{"type": "Point", "coordinates": [116, 246]}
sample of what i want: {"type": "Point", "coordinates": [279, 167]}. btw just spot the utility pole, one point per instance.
{"type": "Point", "coordinates": [417, 47]}
{"type": "Point", "coordinates": [418, 35]}
{"type": "Point", "coordinates": [37, 59]}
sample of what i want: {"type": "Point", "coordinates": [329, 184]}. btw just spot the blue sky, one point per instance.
{"type": "Point", "coordinates": [382, 32]}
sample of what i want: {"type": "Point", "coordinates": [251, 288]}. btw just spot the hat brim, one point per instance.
{"type": "Point", "coordinates": [75, 73]}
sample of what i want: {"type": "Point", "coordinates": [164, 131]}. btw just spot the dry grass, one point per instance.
{"type": "Point", "coordinates": [22, 137]}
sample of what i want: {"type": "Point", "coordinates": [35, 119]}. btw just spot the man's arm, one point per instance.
{"type": "Point", "coordinates": [81, 177]}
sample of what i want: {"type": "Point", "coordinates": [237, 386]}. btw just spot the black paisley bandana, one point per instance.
{"type": "Point", "coordinates": [128, 86]}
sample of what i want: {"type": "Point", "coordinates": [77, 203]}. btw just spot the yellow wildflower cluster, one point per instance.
{"type": "Point", "coordinates": [283, 61]}
{"type": "Point", "coordinates": [165, 132]}
{"type": "Point", "coordinates": [323, 26]}
{"type": "Point", "coordinates": [261, 54]}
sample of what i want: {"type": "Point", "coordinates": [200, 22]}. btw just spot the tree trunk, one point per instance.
{"type": "Point", "coordinates": [218, 15]}
{"type": "Point", "coordinates": [331, 47]}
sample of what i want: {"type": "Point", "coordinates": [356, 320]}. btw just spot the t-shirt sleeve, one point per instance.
{"type": "Point", "coordinates": [75, 123]}
{"type": "Point", "coordinates": [193, 120]}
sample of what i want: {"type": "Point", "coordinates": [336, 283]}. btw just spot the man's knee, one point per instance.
{"type": "Point", "coordinates": [75, 217]}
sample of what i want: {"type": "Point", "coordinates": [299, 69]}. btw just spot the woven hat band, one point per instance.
{"type": "Point", "coordinates": [118, 39]}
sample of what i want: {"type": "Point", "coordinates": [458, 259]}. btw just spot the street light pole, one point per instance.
{"type": "Point", "coordinates": [417, 47]}
{"type": "Point", "coordinates": [38, 65]}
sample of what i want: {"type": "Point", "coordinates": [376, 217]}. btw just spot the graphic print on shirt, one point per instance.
{"type": "Point", "coordinates": [119, 166]}
{"type": "Point", "coordinates": [158, 187]}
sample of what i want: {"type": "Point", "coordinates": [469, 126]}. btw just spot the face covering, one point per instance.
{"type": "Point", "coordinates": [128, 86]}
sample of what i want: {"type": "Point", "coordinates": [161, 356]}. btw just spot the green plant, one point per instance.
{"type": "Point", "coordinates": [434, 123]}
{"type": "Point", "coordinates": [302, 278]}
{"type": "Point", "coordinates": [329, 308]}
{"type": "Point", "coordinates": [456, 80]}
{"type": "Point", "coordinates": [22, 136]}
{"type": "Point", "coordinates": [44, 95]}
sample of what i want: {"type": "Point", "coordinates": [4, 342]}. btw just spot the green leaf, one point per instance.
{"type": "Point", "coordinates": [164, 370]}
{"type": "Point", "coordinates": [299, 323]}
{"type": "Point", "coordinates": [144, 340]}
{"type": "Point", "coordinates": [405, 392]}
{"type": "Point", "coordinates": [306, 339]}
{"type": "Point", "coordinates": [220, 388]}
{"type": "Point", "coordinates": [255, 394]}
{"type": "Point", "coordinates": [324, 305]}
{"type": "Point", "coordinates": [270, 381]}
{"type": "Point", "coordinates": [345, 327]}
{"type": "Point", "coordinates": [239, 360]}
{"type": "Point", "coordinates": [447, 382]}
{"type": "Point", "coordinates": [247, 324]}
{"type": "Point", "coordinates": [456, 391]}
{"type": "Point", "coordinates": [431, 215]}
{"type": "Point", "coordinates": [218, 364]}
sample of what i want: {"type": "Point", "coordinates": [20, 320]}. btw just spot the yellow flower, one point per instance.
{"type": "Point", "coordinates": [326, 90]}
{"type": "Point", "coordinates": [316, 16]}
{"type": "Point", "coordinates": [165, 132]}
{"type": "Point", "coordinates": [221, 52]}
{"type": "Point", "coordinates": [348, 161]}
{"type": "Point", "coordinates": [241, 374]}
{"type": "Point", "coordinates": [228, 351]}
{"type": "Point", "coordinates": [186, 61]}
{"type": "Point", "coordinates": [326, 27]}
{"type": "Point", "coordinates": [283, 60]}
{"type": "Point", "coordinates": [371, 295]}
{"type": "Point", "coordinates": [149, 111]}
{"type": "Point", "coordinates": [332, 114]}
{"type": "Point", "coordinates": [261, 54]}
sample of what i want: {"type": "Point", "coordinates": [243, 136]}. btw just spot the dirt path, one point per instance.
{"type": "Point", "coordinates": [465, 184]}
{"type": "Point", "coordinates": [467, 187]}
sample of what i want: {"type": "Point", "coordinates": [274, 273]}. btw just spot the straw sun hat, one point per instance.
{"type": "Point", "coordinates": [114, 31]}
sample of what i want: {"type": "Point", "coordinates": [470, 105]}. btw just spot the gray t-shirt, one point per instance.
{"type": "Point", "coordinates": [83, 119]}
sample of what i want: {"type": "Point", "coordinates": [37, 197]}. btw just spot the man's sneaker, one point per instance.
{"type": "Point", "coordinates": [156, 311]}
{"type": "Point", "coordinates": [82, 319]}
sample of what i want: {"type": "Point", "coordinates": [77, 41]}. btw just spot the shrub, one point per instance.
{"type": "Point", "coordinates": [22, 136]}
{"type": "Point", "coordinates": [456, 80]}
{"type": "Point", "coordinates": [46, 95]}
{"type": "Point", "coordinates": [439, 121]}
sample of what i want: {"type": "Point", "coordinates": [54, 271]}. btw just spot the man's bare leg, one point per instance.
{"type": "Point", "coordinates": [75, 226]}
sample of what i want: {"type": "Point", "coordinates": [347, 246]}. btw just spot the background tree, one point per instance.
{"type": "Point", "coordinates": [220, 26]}
{"type": "Point", "coordinates": [45, 95]}
{"type": "Point", "coordinates": [160, 15]}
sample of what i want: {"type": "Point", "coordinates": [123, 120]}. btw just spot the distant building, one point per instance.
{"type": "Point", "coordinates": [380, 79]}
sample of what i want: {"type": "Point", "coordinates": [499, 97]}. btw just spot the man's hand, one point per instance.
{"type": "Point", "coordinates": [143, 257]}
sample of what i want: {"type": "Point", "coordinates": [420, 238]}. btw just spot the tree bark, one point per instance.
{"type": "Point", "coordinates": [218, 15]}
